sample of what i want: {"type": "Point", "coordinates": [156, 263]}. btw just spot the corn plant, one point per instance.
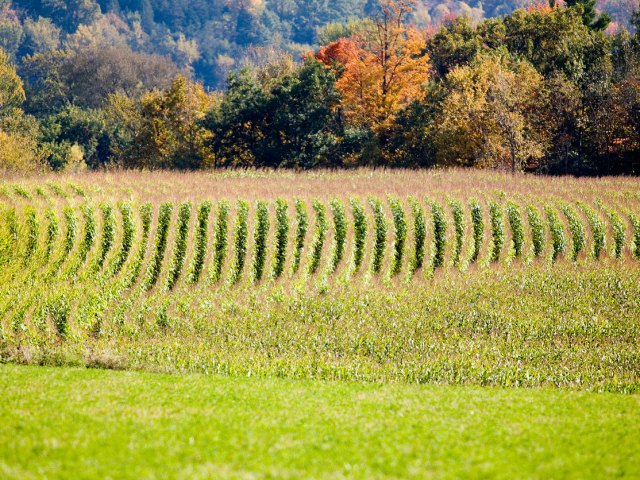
{"type": "Point", "coordinates": [319, 238]}
{"type": "Point", "coordinates": [108, 234]}
{"type": "Point", "coordinates": [619, 234]}
{"type": "Point", "coordinates": [400, 229]}
{"type": "Point", "coordinates": [458, 226]}
{"type": "Point", "coordinates": [635, 248]}
{"type": "Point", "coordinates": [517, 228]}
{"type": "Point", "coordinates": [10, 240]}
{"type": "Point", "coordinates": [282, 238]}
{"type": "Point", "coordinates": [70, 234]}
{"type": "Point", "coordinates": [5, 254]}
{"type": "Point", "coordinates": [162, 234]}
{"type": "Point", "coordinates": [77, 189]}
{"type": "Point", "coordinates": [360, 233]}
{"type": "Point", "coordinates": [32, 234]}
{"type": "Point", "coordinates": [240, 240]}
{"type": "Point", "coordinates": [221, 238]}
{"type": "Point", "coordinates": [557, 232]}
{"type": "Point", "coordinates": [59, 310]}
{"type": "Point", "coordinates": [260, 235]}
{"type": "Point", "coordinates": [146, 215]}
{"type": "Point", "coordinates": [89, 235]}
{"type": "Point", "coordinates": [597, 229]}
{"type": "Point", "coordinates": [419, 234]}
{"type": "Point", "coordinates": [302, 224]}
{"type": "Point", "coordinates": [497, 231]}
{"type": "Point", "coordinates": [22, 192]}
{"type": "Point", "coordinates": [201, 242]}
{"type": "Point", "coordinates": [439, 235]}
{"type": "Point", "coordinates": [57, 190]}
{"type": "Point", "coordinates": [53, 229]}
{"type": "Point", "coordinates": [128, 232]}
{"type": "Point", "coordinates": [380, 223]}
{"type": "Point", "coordinates": [537, 230]}
{"type": "Point", "coordinates": [477, 224]}
{"type": "Point", "coordinates": [180, 246]}
{"type": "Point", "coordinates": [578, 234]}
{"type": "Point", "coordinates": [340, 237]}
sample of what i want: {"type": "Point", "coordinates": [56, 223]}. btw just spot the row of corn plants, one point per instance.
{"type": "Point", "coordinates": [382, 235]}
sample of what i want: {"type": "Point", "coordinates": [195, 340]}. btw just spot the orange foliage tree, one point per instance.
{"type": "Point", "coordinates": [381, 70]}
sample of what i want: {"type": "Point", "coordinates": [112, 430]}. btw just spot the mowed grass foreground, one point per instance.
{"type": "Point", "coordinates": [78, 423]}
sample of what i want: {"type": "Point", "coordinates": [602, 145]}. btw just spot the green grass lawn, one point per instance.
{"type": "Point", "coordinates": [79, 423]}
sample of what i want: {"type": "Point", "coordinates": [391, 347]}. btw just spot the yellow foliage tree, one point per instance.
{"type": "Point", "coordinates": [162, 129]}
{"type": "Point", "coordinates": [496, 113]}
{"type": "Point", "coordinates": [18, 149]}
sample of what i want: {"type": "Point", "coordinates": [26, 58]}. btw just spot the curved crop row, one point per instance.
{"type": "Point", "coordinates": [391, 235]}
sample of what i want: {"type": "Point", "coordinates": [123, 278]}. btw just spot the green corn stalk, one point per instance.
{"type": "Point", "coordinates": [282, 238]}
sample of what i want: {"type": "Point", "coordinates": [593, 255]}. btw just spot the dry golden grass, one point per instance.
{"type": "Point", "coordinates": [258, 184]}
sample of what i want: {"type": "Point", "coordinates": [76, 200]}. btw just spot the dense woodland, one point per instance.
{"type": "Point", "coordinates": [549, 87]}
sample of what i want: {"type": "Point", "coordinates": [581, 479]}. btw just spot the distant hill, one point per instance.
{"type": "Point", "coordinates": [211, 37]}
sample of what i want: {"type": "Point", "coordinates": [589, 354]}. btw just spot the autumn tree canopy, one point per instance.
{"type": "Point", "coordinates": [494, 114]}
{"type": "Point", "coordinates": [382, 69]}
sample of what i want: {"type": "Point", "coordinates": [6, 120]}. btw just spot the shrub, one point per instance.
{"type": "Point", "coordinates": [635, 221]}
{"type": "Point", "coordinates": [261, 233]}
{"type": "Point", "coordinates": [128, 231]}
{"type": "Point", "coordinates": [597, 229]}
{"type": "Point", "coordinates": [400, 228]}
{"type": "Point", "coordinates": [282, 238]}
{"type": "Point", "coordinates": [108, 234]}
{"type": "Point", "coordinates": [302, 223]}
{"type": "Point", "coordinates": [458, 225]}
{"type": "Point", "coordinates": [557, 232]}
{"type": "Point", "coordinates": [32, 234]}
{"type": "Point", "coordinates": [477, 224]}
{"type": "Point", "coordinates": [380, 223]}
{"type": "Point", "coordinates": [497, 231]}
{"type": "Point", "coordinates": [53, 229]}
{"type": "Point", "coordinates": [537, 230]}
{"type": "Point", "coordinates": [439, 234]}
{"type": "Point", "coordinates": [240, 241]}
{"type": "Point", "coordinates": [321, 228]}
{"type": "Point", "coordinates": [419, 234]}
{"type": "Point", "coordinates": [517, 228]}
{"type": "Point", "coordinates": [164, 221]}
{"type": "Point", "coordinates": [578, 234]}
{"type": "Point", "coordinates": [201, 241]}
{"type": "Point", "coordinates": [180, 247]}
{"type": "Point", "coordinates": [360, 233]}
{"type": "Point", "coordinates": [340, 238]}
{"type": "Point", "coordinates": [221, 239]}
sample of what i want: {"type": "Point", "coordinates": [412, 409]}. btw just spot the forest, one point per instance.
{"type": "Point", "coordinates": [543, 87]}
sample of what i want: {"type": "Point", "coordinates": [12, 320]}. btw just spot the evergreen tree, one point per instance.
{"type": "Point", "coordinates": [147, 16]}
{"type": "Point", "coordinates": [589, 14]}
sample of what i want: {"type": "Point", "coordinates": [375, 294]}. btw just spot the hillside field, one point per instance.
{"type": "Point", "coordinates": [444, 305]}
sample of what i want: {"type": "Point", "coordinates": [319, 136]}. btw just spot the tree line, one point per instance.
{"type": "Point", "coordinates": [546, 88]}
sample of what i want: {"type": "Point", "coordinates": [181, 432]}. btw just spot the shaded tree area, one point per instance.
{"type": "Point", "coordinates": [546, 88]}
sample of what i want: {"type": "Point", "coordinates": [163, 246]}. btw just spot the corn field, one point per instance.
{"type": "Point", "coordinates": [76, 267]}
